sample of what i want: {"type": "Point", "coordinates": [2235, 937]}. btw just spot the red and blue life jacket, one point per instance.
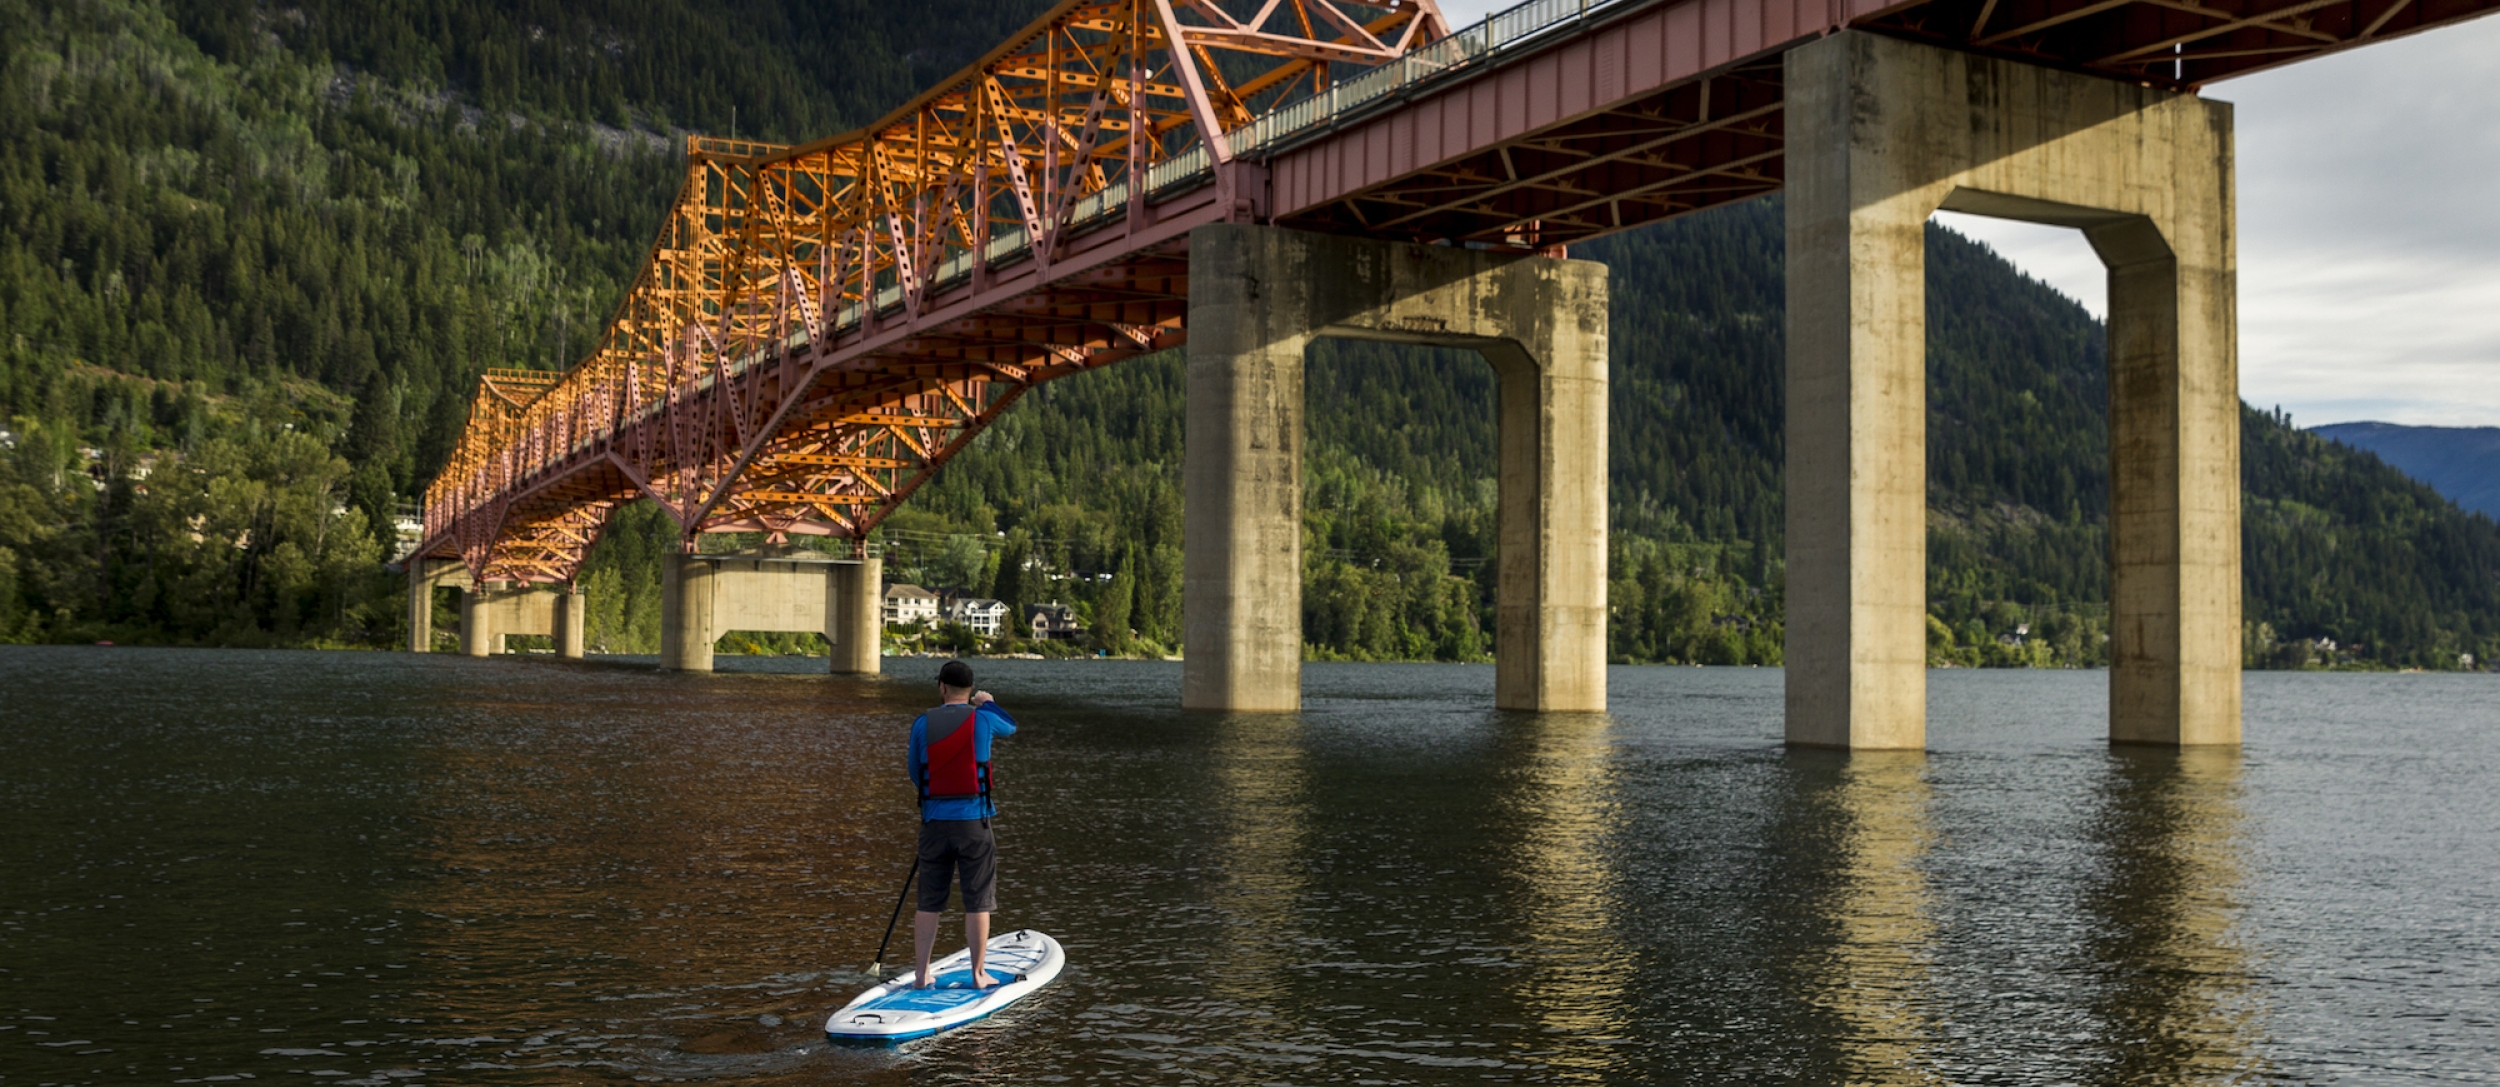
{"type": "Point", "coordinates": [955, 770]}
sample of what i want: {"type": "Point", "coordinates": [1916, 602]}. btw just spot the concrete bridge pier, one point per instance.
{"type": "Point", "coordinates": [478, 636]}
{"type": "Point", "coordinates": [420, 608]}
{"type": "Point", "coordinates": [424, 576]}
{"type": "Point", "coordinates": [855, 616]}
{"type": "Point", "coordinates": [705, 596]}
{"type": "Point", "coordinates": [1881, 133]}
{"type": "Point", "coordinates": [490, 615]}
{"type": "Point", "coordinates": [572, 617]}
{"type": "Point", "coordinates": [1258, 296]}
{"type": "Point", "coordinates": [686, 630]}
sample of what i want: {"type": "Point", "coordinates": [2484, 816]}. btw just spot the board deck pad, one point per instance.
{"type": "Point", "coordinates": [893, 1011]}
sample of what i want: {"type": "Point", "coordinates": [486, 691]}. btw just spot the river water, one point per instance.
{"type": "Point", "coordinates": [370, 868]}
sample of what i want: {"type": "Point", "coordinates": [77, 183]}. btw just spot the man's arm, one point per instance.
{"type": "Point", "coordinates": [916, 758]}
{"type": "Point", "coordinates": [1000, 724]}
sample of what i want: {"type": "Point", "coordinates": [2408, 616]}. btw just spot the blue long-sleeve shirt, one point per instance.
{"type": "Point", "coordinates": [987, 721]}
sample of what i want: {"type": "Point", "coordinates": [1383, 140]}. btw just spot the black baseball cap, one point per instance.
{"type": "Point", "coordinates": [956, 674]}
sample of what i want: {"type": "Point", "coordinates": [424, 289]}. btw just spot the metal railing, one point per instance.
{"type": "Point", "coordinates": [1501, 32]}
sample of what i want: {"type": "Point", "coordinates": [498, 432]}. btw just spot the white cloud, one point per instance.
{"type": "Point", "coordinates": [1465, 13]}
{"type": "Point", "coordinates": [2369, 235]}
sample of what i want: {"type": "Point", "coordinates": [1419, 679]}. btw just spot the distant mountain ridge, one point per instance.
{"type": "Point", "coordinates": [2462, 463]}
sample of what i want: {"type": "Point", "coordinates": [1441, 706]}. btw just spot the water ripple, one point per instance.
{"type": "Point", "coordinates": [382, 869]}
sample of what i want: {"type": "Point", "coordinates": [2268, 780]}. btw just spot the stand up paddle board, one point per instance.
{"type": "Point", "coordinates": [893, 1011]}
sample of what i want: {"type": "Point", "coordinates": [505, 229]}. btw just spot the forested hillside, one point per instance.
{"type": "Point", "coordinates": [252, 258]}
{"type": "Point", "coordinates": [290, 237]}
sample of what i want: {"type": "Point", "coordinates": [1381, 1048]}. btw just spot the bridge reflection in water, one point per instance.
{"type": "Point", "coordinates": [2179, 1002]}
{"type": "Point", "coordinates": [1873, 975]}
{"type": "Point", "coordinates": [1507, 883]}
{"type": "Point", "coordinates": [1904, 969]}
{"type": "Point", "coordinates": [1261, 781]}
{"type": "Point", "coordinates": [1461, 886]}
{"type": "Point", "coordinates": [1483, 895]}
{"type": "Point", "coordinates": [509, 869]}
{"type": "Point", "coordinates": [1559, 794]}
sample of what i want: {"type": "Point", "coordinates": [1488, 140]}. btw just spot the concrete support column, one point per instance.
{"type": "Point", "coordinates": [477, 622]}
{"type": "Point", "coordinates": [855, 616]}
{"type": "Point", "coordinates": [1258, 296]}
{"type": "Point", "coordinates": [1550, 598]}
{"type": "Point", "coordinates": [1882, 133]}
{"type": "Point", "coordinates": [1857, 457]}
{"type": "Point", "coordinates": [420, 607]}
{"type": "Point", "coordinates": [686, 634]}
{"type": "Point", "coordinates": [571, 614]}
{"type": "Point", "coordinates": [1241, 472]}
{"type": "Point", "coordinates": [2174, 453]}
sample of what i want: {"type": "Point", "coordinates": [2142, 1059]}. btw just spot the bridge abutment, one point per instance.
{"type": "Point", "coordinates": [1882, 133]}
{"type": "Point", "coordinates": [1258, 296]}
{"type": "Point", "coordinates": [705, 596]}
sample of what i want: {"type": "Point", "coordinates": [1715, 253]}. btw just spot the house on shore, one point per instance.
{"type": "Point", "coordinates": [906, 604]}
{"type": "Point", "coordinates": [1055, 621]}
{"type": "Point", "coordinates": [979, 615]}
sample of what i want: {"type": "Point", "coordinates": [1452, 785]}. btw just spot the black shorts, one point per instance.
{"type": "Point", "coordinates": [964, 849]}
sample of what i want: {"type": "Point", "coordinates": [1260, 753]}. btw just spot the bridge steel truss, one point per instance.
{"type": "Point", "coordinates": [818, 328]}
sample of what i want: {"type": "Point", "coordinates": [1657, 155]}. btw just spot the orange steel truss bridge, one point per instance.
{"type": "Point", "coordinates": [818, 328]}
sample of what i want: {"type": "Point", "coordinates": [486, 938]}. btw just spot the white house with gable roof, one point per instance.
{"type": "Point", "coordinates": [979, 615]}
{"type": "Point", "coordinates": [906, 604]}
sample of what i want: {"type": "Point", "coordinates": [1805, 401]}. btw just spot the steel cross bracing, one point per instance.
{"type": "Point", "coordinates": [818, 328]}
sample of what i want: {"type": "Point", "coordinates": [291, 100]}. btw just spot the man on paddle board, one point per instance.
{"type": "Point", "coordinates": [950, 766]}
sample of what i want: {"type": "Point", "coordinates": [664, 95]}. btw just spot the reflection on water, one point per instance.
{"type": "Point", "coordinates": [629, 845]}
{"type": "Point", "coordinates": [1260, 777]}
{"type": "Point", "coordinates": [2179, 998]}
{"type": "Point", "coordinates": [1872, 976]}
{"type": "Point", "coordinates": [1557, 804]}
{"type": "Point", "coordinates": [377, 869]}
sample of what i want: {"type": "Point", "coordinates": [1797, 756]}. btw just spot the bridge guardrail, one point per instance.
{"type": "Point", "coordinates": [1500, 32]}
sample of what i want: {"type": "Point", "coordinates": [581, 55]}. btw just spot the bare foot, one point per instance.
{"type": "Point", "coordinates": [983, 980]}
{"type": "Point", "coordinates": [922, 982]}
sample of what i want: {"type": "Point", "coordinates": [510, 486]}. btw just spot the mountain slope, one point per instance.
{"type": "Point", "coordinates": [2462, 463]}
{"type": "Point", "coordinates": [229, 229]}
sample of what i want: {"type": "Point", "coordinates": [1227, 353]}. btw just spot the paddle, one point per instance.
{"type": "Point", "coordinates": [877, 969]}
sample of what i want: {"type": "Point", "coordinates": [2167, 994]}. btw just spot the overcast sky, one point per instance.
{"type": "Point", "coordinates": [2369, 209]}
